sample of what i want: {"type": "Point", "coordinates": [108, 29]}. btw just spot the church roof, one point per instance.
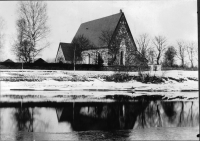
{"type": "Point", "coordinates": [67, 50]}
{"type": "Point", "coordinates": [92, 30]}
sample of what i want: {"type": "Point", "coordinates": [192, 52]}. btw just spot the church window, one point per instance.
{"type": "Point", "coordinates": [122, 58]}
{"type": "Point", "coordinates": [88, 59]}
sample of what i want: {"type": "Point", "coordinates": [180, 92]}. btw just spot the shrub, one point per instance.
{"type": "Point", "coordinates": [142, 77]}
{"type": "Point", "coordinates": [118, 77]}
{"type": "Point", "coordinates": [147, 78]}
{"type": "Point", "coordinates": [74, 78]}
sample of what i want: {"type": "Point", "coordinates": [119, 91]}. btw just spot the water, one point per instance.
{"type": "Point", "coordinates": [136, 120]}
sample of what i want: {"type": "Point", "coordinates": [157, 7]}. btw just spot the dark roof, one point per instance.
{"type": "Point", "coordinates": [40, 61]}
{"type": "Point", "coordinates": [67, 50]}
{"type": "Point", "coordinates": [92, 30]}
{"type": "Point", "coordinates": [9, 61]}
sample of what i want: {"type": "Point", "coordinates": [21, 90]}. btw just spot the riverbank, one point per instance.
{"type": "Point", "coordinates": [41, 80]}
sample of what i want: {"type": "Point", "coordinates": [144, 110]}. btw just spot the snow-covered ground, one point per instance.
{"type": "Point", "coordinates": [57, 82]}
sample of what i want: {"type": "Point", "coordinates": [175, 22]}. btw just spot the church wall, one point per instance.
{"type": "Point", "coordinates": [127, 54]}
{"type": "Point", "coordinates": [91, 56]}
{"type": "Point", "coordinates": [60, 56]}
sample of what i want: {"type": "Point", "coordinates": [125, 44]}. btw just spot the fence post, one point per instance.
{"type": "Point", "coordinates": [74, 57]}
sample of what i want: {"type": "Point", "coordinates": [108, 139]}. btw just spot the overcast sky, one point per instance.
{"type": "Point", "coordinates": [174, 19]}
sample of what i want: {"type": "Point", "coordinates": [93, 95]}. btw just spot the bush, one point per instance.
{"type": "Point", "coordinates": [142, 77]}
{"type": "Point", "coordinates": [119, 77]}
{"type": "Point", "coordinates": [147, 78]}
{"type": "Point", "coordinates": [74, 78]}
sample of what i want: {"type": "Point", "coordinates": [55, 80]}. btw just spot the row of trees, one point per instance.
{"type": "Point", "coordinates": [158, 51]}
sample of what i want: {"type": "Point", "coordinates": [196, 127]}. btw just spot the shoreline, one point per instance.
{"type": "Point", "coordinates": [96, 86]}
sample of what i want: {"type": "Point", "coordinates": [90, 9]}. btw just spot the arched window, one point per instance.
{"type": "Point", "coordinates": [98, 57]}
{"type": "Point", "coordinates": [122, 58]}
{"type": "Point", "coordinates": [87, 59]}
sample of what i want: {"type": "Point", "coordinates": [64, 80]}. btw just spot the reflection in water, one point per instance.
{"type": "Point", "coordinates": [107, 116]}
{"type": "Point", "coordinates": [24, 118]}
{"type": "Point", "coordinates": [102, 116]}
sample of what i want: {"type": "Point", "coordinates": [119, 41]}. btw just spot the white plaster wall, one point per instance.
{"type": "Point", "coordinates": [60, 56]}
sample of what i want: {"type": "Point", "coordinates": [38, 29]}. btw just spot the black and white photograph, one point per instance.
{"type": "Point", "coordinates": [99, 70]}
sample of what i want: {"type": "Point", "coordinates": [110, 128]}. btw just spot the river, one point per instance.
{"type": "Point", "coordinates": [144, 119]}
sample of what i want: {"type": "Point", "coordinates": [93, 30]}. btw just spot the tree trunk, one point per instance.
{"type": "Point", "coordinates": [182, 63]}
{"type": "Point", "coordinates": [192, 65]}
{"type": "Point", "coordinates": [158, 58]}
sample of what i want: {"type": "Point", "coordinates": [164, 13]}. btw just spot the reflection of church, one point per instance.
{"type": "Point", "coordinates": [82, 116]}
{"type": "Point", "coordinates": [117, 27]}
{"type": "Point", "coordinates": [100, 116]}
{"type": "Point", "coordinates": [128, 115]}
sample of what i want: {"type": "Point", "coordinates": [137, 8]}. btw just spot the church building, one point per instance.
{"type": "Point", "coordinates": [110, 40]}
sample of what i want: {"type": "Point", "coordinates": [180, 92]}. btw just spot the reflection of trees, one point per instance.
{"type": "Point", "coordinates": [150, 116]}
{"type": "Point", "coordinates": [30, 119]}
{"type": "Point", "coordinates": [139, 118]}
{"type": "Point", "coordinates": [140, 114]}
{"type": "Point", "coordinates": [181, 117]}
{"type": "Point", "coordinates": [159, 116]}
{"type": "Point", "coordinates": [1, 121]}
{"type": "Point", "coordinates": [190, 116]}
{"type": "Point", "coordinates": [24, 119]}
{"type": "Point", "coordinates": [180, 113]}
{"type": "Point", "coordinates": [116, 115]}
{"type": "Point", "coordinates": [169, 110]}
{"type": "Point", "coordinates": [110, 116]}
{"type": "Point", "coordinates": [42, 121]}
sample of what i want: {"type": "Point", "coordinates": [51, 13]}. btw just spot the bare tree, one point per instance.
{"type": "Point", "coordinates": [151, 55]}
{"type": "Point", "coordinates": [191, 53]}
{"type": "Point", "coordinates": [107, 39]}
{"type": "Point", "coordinates": [32, 29]}
{"type": "Point", "coordinates": [160, 45]}
{"type": "Point", "coordinates": [169, 57]}
{"type": "Point", "coordinates": [143, 44]}
{"type": "Point", "coordinates": [196, 54]}
{"type": "Point", "coordinates": [22, 47]}
{"type": "Point", "coordinates": [79, 44]}
{"type": "Point", "coordinates": [118, 41]}
{"type": "Point", "coordinates": [181, 52]}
